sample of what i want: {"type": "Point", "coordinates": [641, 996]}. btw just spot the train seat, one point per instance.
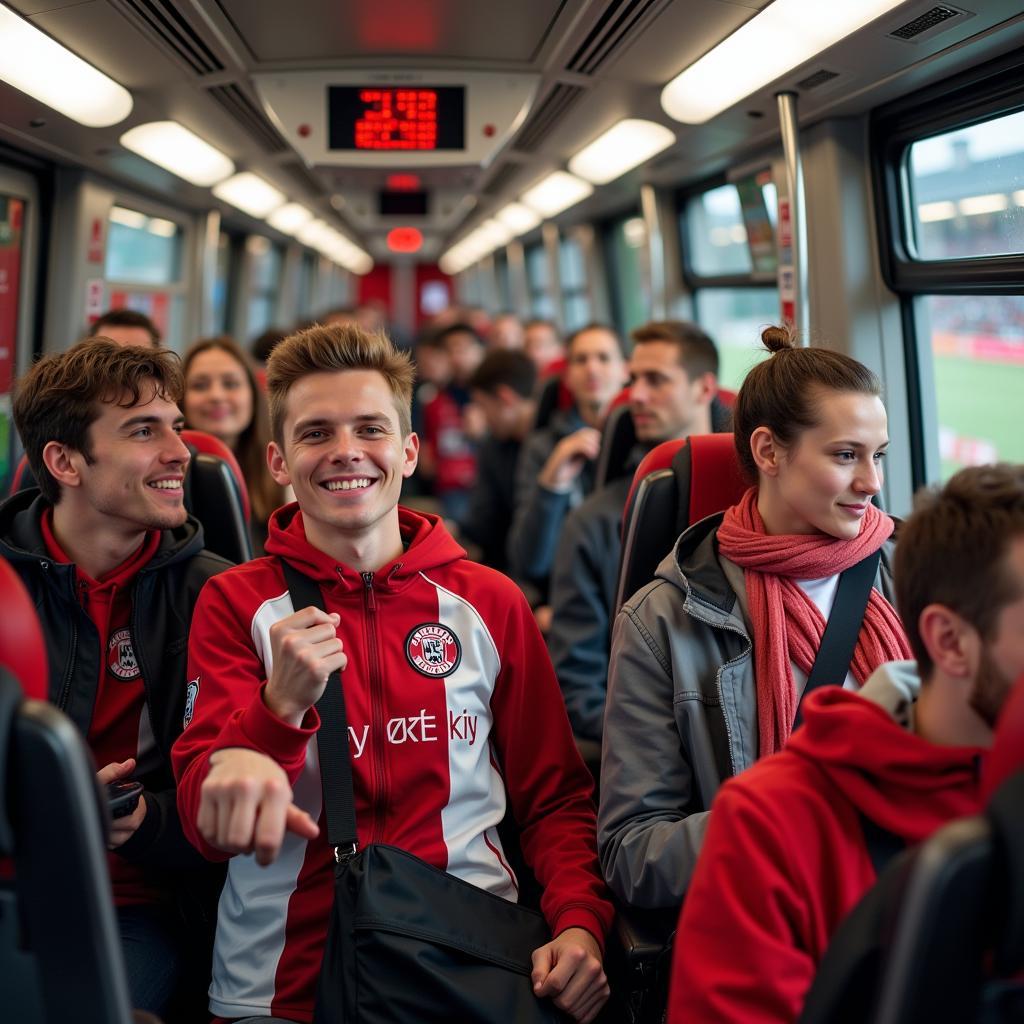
{"type": "Point", "coordinates": [676, 484]}
{"type": "Point", "coordinates": [215, 493]}
{"type": "Point", "coordinates": [57, 911]}
{"type": "Point", "coordinates": [618, 439]}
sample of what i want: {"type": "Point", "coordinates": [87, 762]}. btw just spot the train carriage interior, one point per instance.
{"type": "Point", "coordinates": [243, 169]}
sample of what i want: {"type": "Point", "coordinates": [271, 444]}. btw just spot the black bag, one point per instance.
{"type": "Point", "coordinates": [408, 942]}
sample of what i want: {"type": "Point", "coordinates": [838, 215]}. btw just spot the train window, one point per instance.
{"type": "Point", "coordinates": [734, 318]}
{"type": "Point", "coordinates": [307, 284]}
{"type": "Point", "coordinates": [625, 244]}
{"type": "Point", "coordinates": [542, 304]}
{"type": "Point", "coordinates": [715, 233]}
{"type": "Point", "coordinates": [142, 250]}
{"type": "Point", "coordinates": [573, 279]}
{"type": "Point", "coordinates": [967, 191]}
{"type": "Point", "coordinates": [504, 280]}
{"type": "Point", "coordinates": [266, 260]}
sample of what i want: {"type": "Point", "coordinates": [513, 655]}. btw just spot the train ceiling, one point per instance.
{"type": "Point", "coordinates": [593, 62]}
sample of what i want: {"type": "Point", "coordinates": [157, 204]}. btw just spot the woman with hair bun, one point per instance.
{"type": "Point", "coordinates": [710, 659]}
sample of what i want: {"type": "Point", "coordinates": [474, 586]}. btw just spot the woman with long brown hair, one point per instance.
{"type": "Point", "coordinates": [223, 398]}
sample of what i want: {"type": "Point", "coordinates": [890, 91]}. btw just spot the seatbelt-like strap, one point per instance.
{"type": "Point", "coordinates": [332, 737]}
{"type": "Point", "coordinates": [882, 844]}
{"type": "Point", "coordinates": [842, 629]}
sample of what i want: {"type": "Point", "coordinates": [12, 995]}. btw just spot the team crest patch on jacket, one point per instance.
{"type": "Point", "coordinates": [121, 656]}
{"type": "Point", "coordinates": [433, 650]}
{"type": "Point", "coordinates": [191, 693]}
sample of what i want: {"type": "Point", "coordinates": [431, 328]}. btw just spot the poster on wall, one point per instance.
{"type": "Point", "coordinates": [12, 216]}
{"type": "Point", "coordinates": [156, 305]}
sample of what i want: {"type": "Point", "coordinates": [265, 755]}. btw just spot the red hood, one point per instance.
{"type": "Point", "coordinates": [428, 545]}
{"type": "Point", "coordinates": [891, 775]}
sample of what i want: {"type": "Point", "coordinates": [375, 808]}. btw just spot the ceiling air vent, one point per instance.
{"type": "Point", "coordinates": [816, 79]}
{"type": "Point", "coordinates": [929, 24]}
{"type": "Point", "coordinates": [544, 118]}
{"type": "Point", "coordinates": [172, 31]}
{"type": "Point", "coordinates": [249, 116]}
{"type": "Point", "coordinates": [615, 26]}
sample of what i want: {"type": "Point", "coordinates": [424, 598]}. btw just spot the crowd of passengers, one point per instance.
{"type": "Point", "coordinates": [200, 679]}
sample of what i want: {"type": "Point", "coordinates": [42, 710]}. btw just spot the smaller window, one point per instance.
{"type": "Point", "coordinates": [967, 191]}
{"type": "Point", "coordinates": [627, 240]}
{"type": "Point", "coordinates": [730, 229]}
{"type": "Point", "coordinates": [735, 317]}
{"type": "Point", "coordinates": [541, 303]}
{"type": "Point", "coordinates": [141, 249]}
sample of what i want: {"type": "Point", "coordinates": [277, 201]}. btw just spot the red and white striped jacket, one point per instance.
{"type": "Point", "coordinates": [452, 704]}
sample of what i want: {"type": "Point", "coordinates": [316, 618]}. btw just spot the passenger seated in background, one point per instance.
{"type": "Point", "coordinates": [114, 565]}
{"type": "Point", "coordinates": [339, 402]}
{"type": "Point", "coordinates": [542, 343]}
{"type": "Point", "coordinates": [263, 344]}
{"type": "Point", "coordinates": [708, 662]}
{"type": "Point", "coordinates": [506, 333]}
{"type": "Point", "coordinates": [126, 327]}
{"type": "Point", "coordinates": [785, 858]}
{"type": "Point", "coordinates": [223, 398]}
{"type": "Point", "coordinates": [674, 381]}
{"type": "Point", "coordinates": [503, 388]}
{"type": "Point", "coordinates": [448, 434]}
{"type": "Point", "coordinates": [556, 466]}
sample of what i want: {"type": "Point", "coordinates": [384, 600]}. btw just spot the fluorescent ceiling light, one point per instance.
{"type": "Point", "coordinates": [174, 148]}
{"type": "Point", "coordinates": [289, 218]}
{"type": "Point", "coordinates": [624, 146]}
{"type": "Point", "coordinates": [928, 213]}
{"type": "Point", "coordinates": [517, 218]}
{"type": "Point", "coordinates": [161, 227]}
{"type": "Point", "coordinates": [778, 39]}
{"type": "Point", "coordinates": [38, 65]}
{"type": "Point", "coordinates": [128, 218]}
{"type": "Point", "coordinates": [557, 192]}
{"type": "Point", "coordinates": [995, 202]}
{"type": "Point", "coordinates": [250, 193]}
{"type": "Point", "coordinates": [1018, 197]}
{"type": "Point", "coordinates": [494, 233]}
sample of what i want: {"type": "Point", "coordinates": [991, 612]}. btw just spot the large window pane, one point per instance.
{"type": "Point", "coordinates": [977, 344]}
{"type": "Point", "coordinates": [734, 317]}
{"type": "Point", "coordinates": [541, 303]}
{"type": "Point", "coordinates": [141, 249]}
{"type": "Point", "coordinates": [717, 239]}
{"type": "Point", "coordinates": [267, 260]}
{"type": "Point", "coordinates": [967, 191]}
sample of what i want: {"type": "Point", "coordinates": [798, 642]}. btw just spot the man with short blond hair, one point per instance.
{"type": "Point", "coordinates": [438, 656]}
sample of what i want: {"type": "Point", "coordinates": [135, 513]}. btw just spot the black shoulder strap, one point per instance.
{"type": "Point", "coordinates": [843, 627]}
{"type": "Point", "coordinates": [332, 738]}
{"type": "Point", "coordinates": [882, 844]}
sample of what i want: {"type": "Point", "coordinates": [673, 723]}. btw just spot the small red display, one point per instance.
{"type": "Point", "coordinates": [389, 118]}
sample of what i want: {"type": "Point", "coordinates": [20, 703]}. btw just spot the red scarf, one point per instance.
{"type": "Point", "coordinates": [787, 624]}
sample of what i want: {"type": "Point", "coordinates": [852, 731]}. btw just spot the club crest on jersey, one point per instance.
{"type": "Point", "coordinates": [433, 650]}
{"type": "Point", "coordinates": [191, 693]}
{"type": "Point", "coordinates": [121, 656]}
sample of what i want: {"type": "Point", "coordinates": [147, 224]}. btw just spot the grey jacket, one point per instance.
{"type": "Point", "coordinates": [681, 715]}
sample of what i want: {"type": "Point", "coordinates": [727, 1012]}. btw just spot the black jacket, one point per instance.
{"type": "Point", "coordinates": [492, 500]}
{"type": "Point", "coordinates": [163, 595]}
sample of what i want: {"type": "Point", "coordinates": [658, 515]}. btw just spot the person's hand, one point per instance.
{"type": "Point", "coordinates": [306, 650]}
{"type": "Point", "coordinates": [245, 805]}
{"type": "Point", "coordinates": [121, 829]}
{"type": "Point", "coordinates": [569, 456]}
{"type": "Point", "coordinates": [569, 971]}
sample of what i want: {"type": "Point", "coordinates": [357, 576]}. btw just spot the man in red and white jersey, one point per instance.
{"type": "Point", "coordinates": [452, 704]}
{"type": "Point", "coordinates": [114, 565]}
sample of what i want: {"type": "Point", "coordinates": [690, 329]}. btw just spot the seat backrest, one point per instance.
{"type": "Point", "coordinates": [676, 485]}
{"type": "Point", "coordinates": [22, 647]}
{"type": "Point", "coordinates": [618, 439]}
{"type": "Point", "coordinates": [215, 493]}
{"type": "Point", "coordinates": [65, 963]}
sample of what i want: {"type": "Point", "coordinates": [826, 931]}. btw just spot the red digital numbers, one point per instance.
{"type": "Point", "coordinates": [397, 119]}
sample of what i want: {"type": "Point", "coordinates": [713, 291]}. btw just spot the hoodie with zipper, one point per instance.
{"type": "Point", "coordinates": [785, 858]}
{"type": "Point", "coordinates": [163, 593]}
{"type": "Point", "coordinates": [451, 703]}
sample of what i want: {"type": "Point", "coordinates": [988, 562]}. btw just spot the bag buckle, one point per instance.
{"type": "Point", "coordinates": [343, 854]}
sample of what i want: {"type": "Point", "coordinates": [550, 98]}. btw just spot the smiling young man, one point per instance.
{"type": "Point", "coordinates": [785, 857]}
{"type": "Point", "coordinates": [453, 709]}
{"type": "Point", "coordinates": [114, 565]}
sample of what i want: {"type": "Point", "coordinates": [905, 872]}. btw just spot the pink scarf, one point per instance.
{"type": "Point", "coordinates": [787, 624]}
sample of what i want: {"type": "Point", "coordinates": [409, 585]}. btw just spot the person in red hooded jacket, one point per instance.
{"type": "Point", "coordinates": [452, 704]}
{"type": "Point", "coordinates": [785, 856]}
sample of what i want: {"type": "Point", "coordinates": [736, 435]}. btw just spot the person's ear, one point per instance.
{"type": "Point", "coordinates": [412, 455]}
{"type": "Point", "coordinates": [951, 643]}
{"type": "Point", "coordinates": [766, 450]}
{"type": "Point", "coordinates": [277, 466]}
{"type": "Point", "coordinates": [63, 463]}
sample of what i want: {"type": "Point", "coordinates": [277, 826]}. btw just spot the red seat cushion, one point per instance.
{"type": "Point", "coordinates": [22, 648]}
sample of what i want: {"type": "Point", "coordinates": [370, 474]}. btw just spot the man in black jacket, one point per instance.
{"type": "Point", "coordinates": [114, 565]}
{"type": "Point", "coordinates": [672, 394]}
